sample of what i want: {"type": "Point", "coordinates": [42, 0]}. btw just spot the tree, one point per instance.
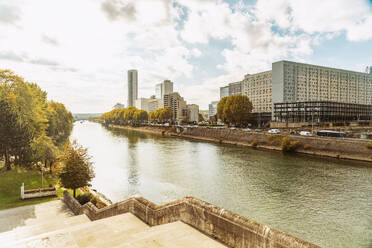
{"type": "Point", "coordinates": [26, 115]}
{"type": "Point", "coordinates": [77, 170]}
{"type": "Point", "coordinates": [235, 110]}
{"type": "Point", "coordinates": [60, 122]}
{"type": "Point", "coordinates": [45, 151]}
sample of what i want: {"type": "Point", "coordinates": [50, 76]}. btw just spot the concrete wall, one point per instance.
{"type": "Point", "coordinates": [332, 147]}
{"type": "Point", "coordinates": [230, 229]}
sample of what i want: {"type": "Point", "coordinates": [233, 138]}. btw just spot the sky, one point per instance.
{"type": "Point", "coordinates": [80, 51]}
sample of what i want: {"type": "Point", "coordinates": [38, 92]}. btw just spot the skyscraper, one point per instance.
{"type": "Point", "coordinates": [163, 88]}
{"type": "Point", "coordinates": [132, 87]}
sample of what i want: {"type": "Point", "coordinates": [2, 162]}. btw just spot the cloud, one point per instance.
{"type": "Point", "coordinates": [9, 55]}
{"type": "Point", "coordinates": [49, 40]}
{"type": "Point", "coordinates": [9, 14]}
{"type": "Point", "coordinates": [115, 9]}
{"type": "Point", "coordinates": [163, 39]}
{"type": "Point", "coordinates": [43, 61]}
{"type": "Point", "coordinates": [351, 17]}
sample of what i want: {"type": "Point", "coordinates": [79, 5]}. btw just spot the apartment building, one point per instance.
{"type": "Point", "coordinates": [178, 105]}
{"type": "Point", "coordinates": [298, 82]}
{"type": "Point", "coordinates": [193, 112]}
{"type": "Point", "coordinates": [258, 88]}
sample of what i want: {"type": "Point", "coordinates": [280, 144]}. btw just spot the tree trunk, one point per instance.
{"type": "Point", "coordinates": [74, 193]}
{"type": "Point", "coordinates": [50, 166]}
{"type": "Point", "coordinates": [7, 162]}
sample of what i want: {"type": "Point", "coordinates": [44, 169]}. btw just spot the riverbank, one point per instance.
{"type": "Point", "coordinates": [315, 146]}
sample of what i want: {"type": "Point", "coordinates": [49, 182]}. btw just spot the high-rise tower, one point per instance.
{"type": "Point", "coordinates": [132, 87]}
{"type": "Point", "coordinates": [164, 88]}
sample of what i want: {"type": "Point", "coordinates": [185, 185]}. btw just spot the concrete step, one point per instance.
{"type": "Point", "coordinates": [45, 226]}
{"type": "Point", "coordinates": [108, 232]}
{"type": "Point", "coordinates": [172, 235]}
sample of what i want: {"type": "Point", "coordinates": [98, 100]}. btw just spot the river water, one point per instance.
{"type": "Point", "coordinates": [324, 201]}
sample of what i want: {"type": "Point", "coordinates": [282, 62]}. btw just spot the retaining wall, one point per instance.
{"type": "Point", "coordinates": [230, 229]}
{"type": "Point", "coordinates": [323, 146]}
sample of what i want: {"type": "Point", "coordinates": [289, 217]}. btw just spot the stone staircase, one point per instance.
{"type": "Point", "coordinates": [53, 225]}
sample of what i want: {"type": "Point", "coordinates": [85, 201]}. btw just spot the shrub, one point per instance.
{"type": "Point", "coordinates": [82, 199]}
{"type": "Point", "coordinates": [275, 138]}
{"type": "Point", "coordinates": [306, 147]}
{"type": "Point", "coordinates": [254, 143]}
{"type": "Point", "coordinates": [369, 145]}
{"type": "Point", "coordinates": [288, 145]}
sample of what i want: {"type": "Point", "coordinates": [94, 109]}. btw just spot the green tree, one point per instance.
{"type": "Point", "coordinates": [45, 151]}
{"type": "Point", "coordinates": [25, 116]}
{"type": "Point", "coordinates": [77, 170]}
{"type": "Point", "coordinates": [60, 122]}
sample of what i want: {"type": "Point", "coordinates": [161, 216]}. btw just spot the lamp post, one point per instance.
{"type": "Point", "coordinates": [42, 176]}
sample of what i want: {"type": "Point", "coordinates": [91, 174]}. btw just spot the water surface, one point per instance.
{"type": "Point", "coordinates": [325, 201]}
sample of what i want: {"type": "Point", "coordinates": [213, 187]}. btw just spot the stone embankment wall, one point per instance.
{"type": "Point", "coordinates": [318, 146]}
{"type": "Point", "coordinates": [322, 146]}
{"type": "Point", "coordinates": [228, 228]}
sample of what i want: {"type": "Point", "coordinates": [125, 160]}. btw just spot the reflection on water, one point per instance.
{"type": "Point", "coordinates": [325, 201]}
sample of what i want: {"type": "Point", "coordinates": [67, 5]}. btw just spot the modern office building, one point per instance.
{"type": "Point", "coordinates": [164, 88]}
{"type": "Point", "coordinates": [193, 112]}
{"type": "Point", "coordinates": [213, 108]}
{"type": "Point", "coordinates": [132, 87]}
{"type": "Point", "coordinates": [310, 85]}
{"type": "Point", "coordinates": [224, 92]}
{"type": "Point", "coordinates": [178, 105]}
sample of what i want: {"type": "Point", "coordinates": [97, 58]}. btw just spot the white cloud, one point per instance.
{"type": "Point", "coordinates": [319, 16]}
{"type": "Point", "coordinates": [79, 51]}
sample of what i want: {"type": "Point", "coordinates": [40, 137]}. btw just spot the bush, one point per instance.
{"type": "Point", "coordinates": [82, 199]}
{"type": "Point", "coordinates": [307, 147]}
{"type": "Point", "coordinates": [275, 138]}
{"type": "Point", "coordinates": [288, 145]}
{"type": "Point", "coordinates": [254, 143]}
{"type": "Point", "coordinates": [369, 145]}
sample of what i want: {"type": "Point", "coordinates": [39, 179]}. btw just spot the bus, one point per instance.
{"type": "Point", "coordinates": [330, 133]}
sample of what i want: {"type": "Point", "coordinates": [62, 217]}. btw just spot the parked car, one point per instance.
{"type": "Point", "coordinates": [246, 129]}
{"type": "Point", "coordinates": [274, 131]}
{"type": "Point", "coordinates": [292, 133]}
{"type": "Point", "coordinates": [305, 133]}
{"type": "Point", "coordinates": [258, 130]}
{"type": "Point", "coordinates": [232, 128]}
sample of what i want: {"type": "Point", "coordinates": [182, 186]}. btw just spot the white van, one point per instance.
{"type": "Point", "coordinates": [274, 131]}
{"type": "Point", "coordinates": [305, 133]}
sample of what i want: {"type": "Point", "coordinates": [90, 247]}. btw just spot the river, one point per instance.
{"type": "Point", "coordinates": [325, 201]}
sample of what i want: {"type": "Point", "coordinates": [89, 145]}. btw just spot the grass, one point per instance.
{"type": "Point", "coordinates": [10, 184]}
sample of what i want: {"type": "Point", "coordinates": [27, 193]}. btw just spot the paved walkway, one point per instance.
{"type": "Point", "coordinates": [33, 214]}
